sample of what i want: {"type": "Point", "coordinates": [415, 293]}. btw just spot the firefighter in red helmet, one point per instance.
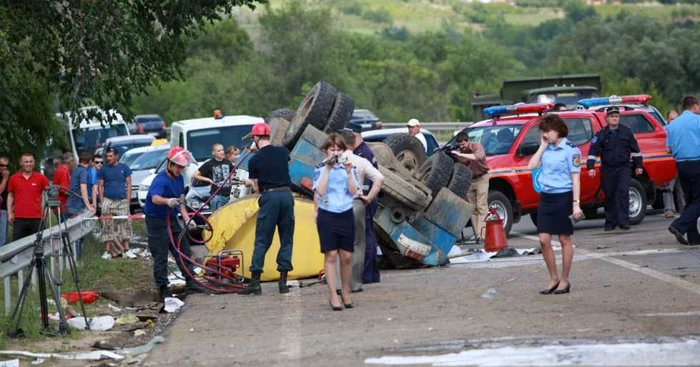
{"type": "Point", "coordinates": [269, 175]}
{"type": "Point", "coordinates": [167, 191]}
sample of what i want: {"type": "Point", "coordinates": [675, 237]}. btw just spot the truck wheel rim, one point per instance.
{"type": "Point", "coordinates": [635, 203]}
{"type": "Point", "coordinates": [501, 210]}
{"type": "Point", "coordinates": [408, 160]}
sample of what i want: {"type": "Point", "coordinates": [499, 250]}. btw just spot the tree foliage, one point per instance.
{"type": "Point", "coordinates": [63, 54]}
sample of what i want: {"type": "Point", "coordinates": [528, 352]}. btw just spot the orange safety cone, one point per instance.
{"type": "Point", "coordinates": [495, 237]}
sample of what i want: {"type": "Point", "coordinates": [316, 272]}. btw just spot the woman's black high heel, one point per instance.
{"type": "Point", "coordinates": [550, 290]}
{"type": "Point", "coordinates": [335, 308]}
{"type": "Point", "coordinates": [563, 291]}
{"type": "Point", "coordinates": [347, 305]}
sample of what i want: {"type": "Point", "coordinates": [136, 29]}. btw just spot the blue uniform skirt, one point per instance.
{"type": "Point", "coordinates": [336, 231]}
{"type": "Point", "coordinates": [553, 213]}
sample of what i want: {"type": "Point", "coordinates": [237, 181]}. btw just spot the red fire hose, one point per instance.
{"type": "Point", "coordinates": [224, 287]}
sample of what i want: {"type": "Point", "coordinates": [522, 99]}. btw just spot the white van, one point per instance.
{"type": "Point", "coordinates": [91, 134]}
{"type": "Point", "coordinates": [198, 135]}
{"type": "Point", "coordinates": [88, 136]}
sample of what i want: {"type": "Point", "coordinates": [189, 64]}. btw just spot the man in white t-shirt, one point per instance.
{"type": "Point", "coordinates": [364, 169]}
{"type": "Point", "coordinates": [414, 130]}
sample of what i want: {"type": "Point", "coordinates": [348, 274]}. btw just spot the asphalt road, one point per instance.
{"type": "Point", "coordinates": [635, 300]}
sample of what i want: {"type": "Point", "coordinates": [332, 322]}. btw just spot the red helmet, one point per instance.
{"type": "Point", "coordinates": [179, 156]}
{"type": "Point", "coordinates": [261, 129]}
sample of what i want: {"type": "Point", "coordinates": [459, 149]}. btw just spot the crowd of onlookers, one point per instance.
{"type": "Point", "coordinates": [93, 183]}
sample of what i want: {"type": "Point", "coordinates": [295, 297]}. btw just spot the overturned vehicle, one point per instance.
{"type": "Point", "coordinates": [421, 213]}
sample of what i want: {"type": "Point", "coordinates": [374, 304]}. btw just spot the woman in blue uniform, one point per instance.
{"type": "Point", "coordinates": [561, 167]}
{"type": "Point", "coordinates": [335, 187]}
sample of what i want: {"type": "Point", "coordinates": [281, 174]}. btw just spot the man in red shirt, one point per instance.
{"type": "Point", "coordinates": [61, 177]}
{"type": "Point", "coordinates": [24, 198]}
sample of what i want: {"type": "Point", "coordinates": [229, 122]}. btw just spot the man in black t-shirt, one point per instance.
{"type": "Point", "coordinates": [215, 171]}
{"type": "Point", "coordinates": [269, 175]}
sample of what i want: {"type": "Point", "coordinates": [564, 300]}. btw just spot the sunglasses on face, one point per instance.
{"type": "Point", "coordinates": [3, 166]}
{"type": "Point", "coordinates": [98, 162]}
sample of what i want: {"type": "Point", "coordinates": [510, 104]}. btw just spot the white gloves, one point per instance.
{"type": "Point", "coordinates": [173, 202]}
{"type": "Point", "coordinates": [191, 225]}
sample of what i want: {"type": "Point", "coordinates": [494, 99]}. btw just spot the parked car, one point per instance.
{"type": "Point", "coordinates": [196, 195]}
{"type": "Point", "coordinates": [407, 149]}
{"type": "Point", "coordinates": [149, 124]}
{"type": "Point", "coordinates": [144, 163]}
{"type": "Point", "coordinates": [511, 138]}
{"type": "Point", "coordinates": [124, 143]}
{"type": "Point", "coordinates": [367, 119]}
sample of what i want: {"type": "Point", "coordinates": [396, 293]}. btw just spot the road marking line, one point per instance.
{"type": "Point", "coordinates": [689, 286]}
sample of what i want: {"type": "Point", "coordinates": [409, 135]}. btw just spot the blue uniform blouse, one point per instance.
{"type": "Point", "coordinates": [683, 137]}
{"type": "Point", "coordinates": [558, 163]}
{"type": "Point", "coordinates": [337, 199]}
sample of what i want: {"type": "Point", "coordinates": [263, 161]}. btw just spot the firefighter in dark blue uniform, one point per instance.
{"type": "Point", "coordinates": [269, 175]}
{"type": "Point", "coordinates": [615, 145]}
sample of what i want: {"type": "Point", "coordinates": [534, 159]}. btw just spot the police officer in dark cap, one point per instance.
{"type": "Point", "coordinates": [615, 145]}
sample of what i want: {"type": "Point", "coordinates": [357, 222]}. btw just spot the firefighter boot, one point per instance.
{"type": "Point", "coordinates": [164, 292]}
{"type": "Point", "coordinates": [192, 287]}
{"type": "Point", "coordinates": [254, 285]}
{"type": "Point", "coordinates": [283, 282]}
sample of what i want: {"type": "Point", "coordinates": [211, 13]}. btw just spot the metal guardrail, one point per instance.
{"type": "Point", "coordinates": [16, 256]}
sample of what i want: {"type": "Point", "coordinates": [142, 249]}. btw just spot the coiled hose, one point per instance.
{"type": "Point", "coordinates": [222, 286]}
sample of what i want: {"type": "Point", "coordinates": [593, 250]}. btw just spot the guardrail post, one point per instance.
{"type": "Point", "coordinates": [8, 295]}
{"type": "Point", "coordinates": [20, 281]}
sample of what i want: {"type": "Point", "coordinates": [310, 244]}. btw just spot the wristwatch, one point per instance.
{"type": "Point", "coordinates": [576, 201]}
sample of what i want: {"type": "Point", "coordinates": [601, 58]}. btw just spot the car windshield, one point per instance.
{"type": "Point", "coordinates": [148, 119]}
{"type": "Point", "coordinates": [148, 160]}
{"type": "Point", "coordinates": [123, 148]}
{"type": "Point", "coordinates": [161, 166]}
{"type": "Point", "coordinates": [91, 138]}
{"type": "Point", "coordinates": [129, 157]}
{"type": "Point", "coordinates": [495, 139]}
{"type": "Point", "coordinates": [567, 98]}
{"type": "Point", "coordinates": [364, 115]}
{"type": "Point", "coordinates": [199, 142]}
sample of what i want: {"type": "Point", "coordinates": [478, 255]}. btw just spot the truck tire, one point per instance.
{"type": "Point", "coordinates": [638, 202]}
{"type": "Point", "coordinates": [435, 172]}
{"type": "Point", "coordinates": [503, 207]}
{"type": "Point", "coordinates": [284, 113]}
{"type": "Point", "coordinates": [461, 180]}
{"type": "Point", "coordinates": [340, 114]}
{"type": "Point", "coordinates": [314, 110]}
{"type": "Point", "coordinates": [408, 150]}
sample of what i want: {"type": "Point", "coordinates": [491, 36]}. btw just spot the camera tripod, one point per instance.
{"type": "Point", "coordinates": [43, 272]}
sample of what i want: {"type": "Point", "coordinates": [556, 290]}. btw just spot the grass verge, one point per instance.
{"type": "Point", "coordinates": [94, 274]}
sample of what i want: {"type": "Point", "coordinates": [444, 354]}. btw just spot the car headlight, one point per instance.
{"type": "Point", "coordinates": [143, 187]}
{"type": "Point", "coordinates": [196, 204]}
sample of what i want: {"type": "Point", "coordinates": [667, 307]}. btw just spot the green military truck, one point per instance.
{"type": "Point", "coordinates": [556, 89]}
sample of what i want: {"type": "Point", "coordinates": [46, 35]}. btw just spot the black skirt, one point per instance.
{"type": "Point", "coordinates": [553, 214]}
{"type": "Point", "coordinates": [336, 231]}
